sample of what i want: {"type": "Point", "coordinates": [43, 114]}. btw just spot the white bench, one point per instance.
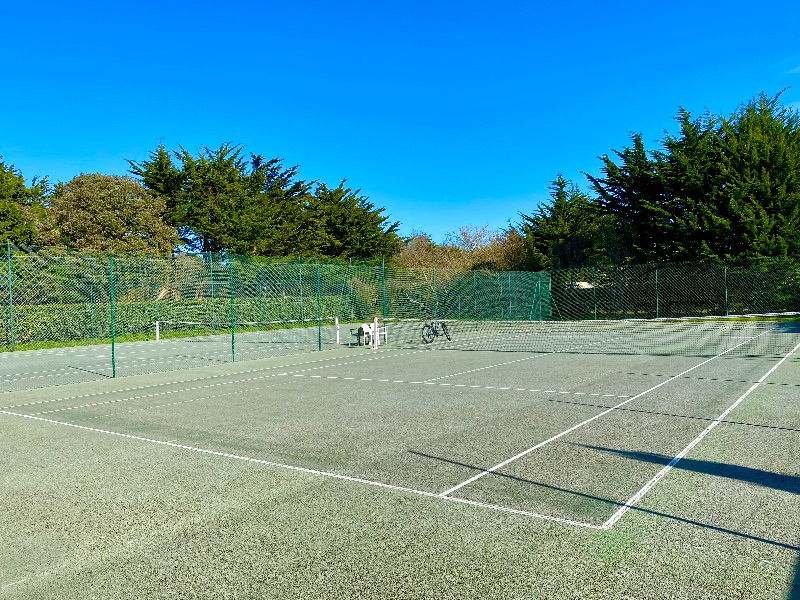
{"type": "Point", "coordinates": [365, 333]}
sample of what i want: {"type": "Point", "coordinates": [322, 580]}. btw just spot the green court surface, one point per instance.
{"type": "Point", "coordinates": [399, 472]}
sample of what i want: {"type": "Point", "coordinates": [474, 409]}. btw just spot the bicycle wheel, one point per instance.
{"type": "Point", "coordinates": [446, 331]}
{"type": "Point", "coordinates": [427, 333]}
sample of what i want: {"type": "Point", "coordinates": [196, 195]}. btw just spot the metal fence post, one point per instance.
{"type": "Point", "coordinates": [91, 309]}
{"type": "Point", "coordinates": [383, 288]}
{"type": "Point", "coordinates": [233, 312]}
{"type": "Point", "coordinates": [319, 308]}
{"type": "Point", "coordinates": [211, 281]}
{"type": "Point", "coordinates": [300, 281]}
{"type": "Point", "coordinates": [656, 292]}
{"type": "Point", "coordinates": [433, 287]}
{"type": "Point", "coordinates": [725, 283]}
{"type": "Point", "coordinates": [10, 298]}
{"type": "Point", "coordinates": [113, 330]}
{"type": "Point", "coordinates": [510, 309]}
{"type": "Point", "coordinates": [474, 296]}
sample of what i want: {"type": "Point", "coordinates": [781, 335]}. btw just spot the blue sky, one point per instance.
{"type": "Point", "coordinates": [444, 113]}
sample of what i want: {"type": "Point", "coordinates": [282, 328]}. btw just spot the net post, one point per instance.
{"type": "Point", "coordinates": [158, 331]}
{"type": "Point", "coordinates": [336, 328]}
{"type": "Point", "coordinates": [113, 331]}
{"type": "Point", "coordinates": [375, 343]}
{"type": "Point", "coordinates": [233, 311]}
{"type": "Point", "coordinates": [319, 308]}
{"type": "Point", "coordinates": [10, 297]}
{"type": "Point", "coordinates": [594, 291]}
{"type": "Point", "coordinates": [725, 283]}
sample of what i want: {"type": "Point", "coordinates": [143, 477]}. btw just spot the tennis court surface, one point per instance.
{"type": "Point", "coordinates": [591, 470]}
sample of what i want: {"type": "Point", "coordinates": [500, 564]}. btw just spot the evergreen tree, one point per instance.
{"type": "Point", "coordinates": [22, 208]}
{"type": "Point", "coordinates": [760, 170]}
{"type": "Point", "coordinates": [565, 232]}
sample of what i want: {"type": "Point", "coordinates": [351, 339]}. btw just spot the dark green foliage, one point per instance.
{"type": "Point", "coordinates": [568, 231]}
{"type": "Point", "coordinates": [21, 207]}
{"type": "Point", "coordinates": [722, 188]}
{"type": "Point", "coordinates": [343, 223]}
{"type": "Point", "coordinates": [221, 201]}
{"type": "Point", "coordinates": [760, 169]}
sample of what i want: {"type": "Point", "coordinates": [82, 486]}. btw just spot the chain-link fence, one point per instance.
{"type": "Point", "coordinates": [251, 308]}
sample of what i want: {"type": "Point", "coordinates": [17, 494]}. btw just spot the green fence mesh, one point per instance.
{"type": "Point", "coordinates": [222, 308]}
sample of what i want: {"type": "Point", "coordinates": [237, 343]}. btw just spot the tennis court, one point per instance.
{"type": "Point", "coordinates": [578, 434]}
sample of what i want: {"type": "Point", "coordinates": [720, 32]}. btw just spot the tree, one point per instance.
{"type": "Point", "coordinates": [760, 175]}
{"type": "Point", "coordinates": [634, 194]}
{"type": "Point", "coordinates": [21, 207]}
{"type": "Point", "coordinates": [565, 232]}
{"type": "Point", "coordinates": [222, 201]}
{"type": "Point", "coordinates": [697, 222]}
{"type": "Point", "coordinates": [110, 213]}
{"type": "Point", "coordinates": [340, 222]}
{"type": "Point", "coordinates": [722, 188]}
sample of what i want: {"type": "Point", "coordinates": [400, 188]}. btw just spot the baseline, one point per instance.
{"type": "Point", "coordinates": [306, 470]}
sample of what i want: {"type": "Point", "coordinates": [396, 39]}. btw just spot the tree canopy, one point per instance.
{"type": "Point", "coordinates": [220, 200]}
{"type": "Point", "coordinates": [722, 188]}
{"type": "Point", "coordinates": [21, 206]}
{"type": "Point", "coordinates": [109, 212]}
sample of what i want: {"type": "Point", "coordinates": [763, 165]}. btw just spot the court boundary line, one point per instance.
{"type": "Point", "coordinates": [558, 436]}
{"type": "Point", "coordinates": [620, 512]}
{"type": "Point", "coordinates": [371, 356]}
{"type": "Point", "coordinates": [309, 471]}
{"type": "Point", "coordinates": [327, 359]}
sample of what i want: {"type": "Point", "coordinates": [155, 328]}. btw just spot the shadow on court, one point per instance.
{"type": "Point", "coordinates": [617, 504]}
{"type": "Point", "coordinates": [775, 481]}
{"type": "Point", "coordinates": [794, 593]}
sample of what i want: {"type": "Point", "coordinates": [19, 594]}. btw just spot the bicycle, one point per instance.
{"type": "Point", "coordinates": [433, 328]}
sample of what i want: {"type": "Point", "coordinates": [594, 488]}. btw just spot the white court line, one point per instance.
{"type": "Point", "coordinates": [587, 421]}
{"type": "Point", "coordinates": [316, 472]}
{"type": "Point", "coordinates": [211, 377]}
{"type": "Point", "coordinates": [660, 475]}
{"type": "Point", "coordinates": [511, 362]}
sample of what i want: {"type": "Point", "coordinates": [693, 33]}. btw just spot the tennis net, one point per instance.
{"type": "Point", "coordinates": [752, 335]}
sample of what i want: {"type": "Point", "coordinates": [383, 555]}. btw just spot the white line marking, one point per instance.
{"type": "Point", "coordinates": [8, 585]}
{"type": "Point", "coordinates": [519, 360]}
{"type": "Point", "coordinates": [586, 422]}
{"type": "Point", "coordinates": [306, 470]}
{"type": "Point", "coordinates": [662, 473]}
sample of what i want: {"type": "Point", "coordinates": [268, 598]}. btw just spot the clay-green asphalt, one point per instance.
{"type": "Point", "coordinates": [429, 420]}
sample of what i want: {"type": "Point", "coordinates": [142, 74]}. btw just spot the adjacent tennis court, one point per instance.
{"type": "Point", "coordinates": [538, 449]}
